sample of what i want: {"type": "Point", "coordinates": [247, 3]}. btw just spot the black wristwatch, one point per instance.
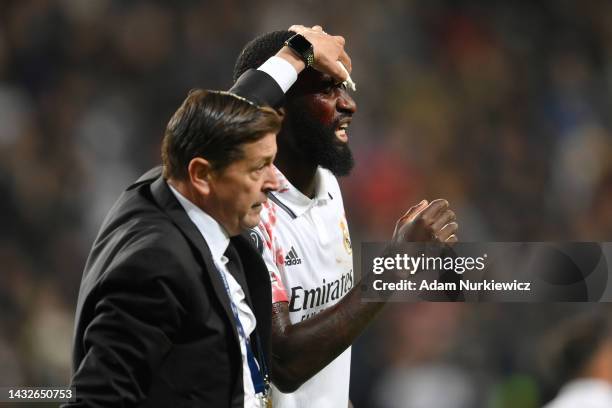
{"type": "Point", "coordinates": [302, 47]}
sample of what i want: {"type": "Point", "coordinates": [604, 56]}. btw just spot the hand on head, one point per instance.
{"type": "Point", "coordinates": [328, 50]}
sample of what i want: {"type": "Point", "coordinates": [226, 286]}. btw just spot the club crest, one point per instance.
{"type": "Point", "coordinates": [347, 239]}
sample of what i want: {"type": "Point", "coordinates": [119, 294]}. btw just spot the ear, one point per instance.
{"type": "Point", "coordinates": [200, 175]}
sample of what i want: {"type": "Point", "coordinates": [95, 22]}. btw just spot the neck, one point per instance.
{"type": "Point", "coordinates": [184, 188]}
{"type": "Point", "coordinates": [187, 190]}
{"type": "Point", "coordinates": [300, 172]}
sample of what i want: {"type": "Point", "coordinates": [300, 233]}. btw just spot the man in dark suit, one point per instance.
{"type": "Point", "coordinates": [174, 305]}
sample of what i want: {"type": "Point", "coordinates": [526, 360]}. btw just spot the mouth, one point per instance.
{"type": "Point", "coordinates": [341, 130]}
{"type": "Point", "coordinates": [259, 205]}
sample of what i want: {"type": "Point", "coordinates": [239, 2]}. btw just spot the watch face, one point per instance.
{"type": "Point", "coordinates": [303, 47]}
{"type": "Point", "coordinates": [300, 44]}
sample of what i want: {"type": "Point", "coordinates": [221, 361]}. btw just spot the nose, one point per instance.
{"type": "Point", "coordinates": [271, 182]}
{"type": "Point", "coordinates": [345, 103]}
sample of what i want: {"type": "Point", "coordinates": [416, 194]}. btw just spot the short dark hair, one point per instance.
{"type": "Point", "coordinates": [258, 50]}
{"type": "Point", "coordinates": [213, 125]}
{"type": "Point", "coordinates": [570, 347]}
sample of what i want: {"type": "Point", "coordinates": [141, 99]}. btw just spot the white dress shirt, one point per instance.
{"type": "Point", "coordinates": [281, 71]}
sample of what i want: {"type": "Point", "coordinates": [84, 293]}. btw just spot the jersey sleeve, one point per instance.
{"type": "Point", "coordinates": [272, 255]}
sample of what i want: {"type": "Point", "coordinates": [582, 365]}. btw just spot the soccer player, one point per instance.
{"type": "Point", "coordinates": [304, 236]}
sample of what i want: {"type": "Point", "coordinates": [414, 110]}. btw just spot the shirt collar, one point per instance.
{"type": "Point", "coordinates": [295, 199]}
{"type": "Point", "coordinates": [213, 233]}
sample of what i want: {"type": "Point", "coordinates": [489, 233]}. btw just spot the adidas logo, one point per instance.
{"type": "Point", "coordinates": [292, 258]}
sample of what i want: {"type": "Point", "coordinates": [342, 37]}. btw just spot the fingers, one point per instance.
{"type": "Point", "coordinates": [443, 219]}
{"type": "Point", "coordinates": [433, 221]}
{"type": "Point", "coordinates": [297, 28]}
{"type": "Point", "coordinates": [415, 210]}
{"type": "Point", "coordinates": [334, 69]}
{"type": "Point", "coordinates": [435, 208]}
{"type": "Point", "coordinates": [345, 60]}
{"type": "Point", "coordinates": [447, 232]}
{"type": "Point", "coordinates": [445, 227]}
{"type": "Point", "coordinates": [452, 239]}
{"type": "Point", "coordinates": [326, 61]}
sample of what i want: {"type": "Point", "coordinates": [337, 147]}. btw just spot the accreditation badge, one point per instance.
{"type": "Point", "coordinates": [264, 400]}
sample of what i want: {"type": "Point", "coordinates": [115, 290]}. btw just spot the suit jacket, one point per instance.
{"type": "Point", "coordinates": [154, 326]}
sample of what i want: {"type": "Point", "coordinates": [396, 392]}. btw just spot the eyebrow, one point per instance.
{"type": "Point", "coordinates": [265, 159]}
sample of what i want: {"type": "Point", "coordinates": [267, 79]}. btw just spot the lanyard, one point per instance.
{"type": "Point", "coordinates": [259, 379]}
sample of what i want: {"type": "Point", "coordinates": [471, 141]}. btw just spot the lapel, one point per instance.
{"type": "Point", "coordinates": [170, 205]}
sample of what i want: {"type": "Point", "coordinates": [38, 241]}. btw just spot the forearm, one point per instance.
{"type": "Point", "coordinates": [301, 350]}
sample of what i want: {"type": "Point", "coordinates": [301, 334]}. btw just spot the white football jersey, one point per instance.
{"type": "Point", "coordinates": [307, 248]}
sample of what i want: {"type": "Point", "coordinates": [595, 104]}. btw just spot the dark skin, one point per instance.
{"type": "Point", "coordinates": [301, 350]}
{"type": "Point", "coordinates": [326, 101]}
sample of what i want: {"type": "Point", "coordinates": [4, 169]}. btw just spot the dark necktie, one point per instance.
{"type": "Point", "coordinates": [234, 266]}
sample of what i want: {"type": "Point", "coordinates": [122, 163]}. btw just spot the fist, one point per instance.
{"type": "Point", "coordinates": [427, 222]}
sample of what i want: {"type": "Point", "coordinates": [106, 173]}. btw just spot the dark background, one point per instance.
{"type": "Point", "coordinates": [501, 107]}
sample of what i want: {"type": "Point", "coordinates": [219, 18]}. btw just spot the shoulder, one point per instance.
{"type": "Point", "coordinates": [138, 245]}
{"type": "Point", "coordinates": [157, 249]}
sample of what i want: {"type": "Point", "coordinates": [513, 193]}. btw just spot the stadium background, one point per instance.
{"type": "Point", "coordinates": [501, 107]}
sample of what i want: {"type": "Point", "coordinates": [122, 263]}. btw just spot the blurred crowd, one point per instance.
{"type": "Point", "coordinates": [500, 107]}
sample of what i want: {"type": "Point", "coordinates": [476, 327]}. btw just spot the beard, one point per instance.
{"type": "Point", "coordinates": [318, 144]}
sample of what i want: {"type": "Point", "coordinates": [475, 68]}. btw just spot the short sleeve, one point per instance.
{"type": "Point", "coordinates": [272, 254]}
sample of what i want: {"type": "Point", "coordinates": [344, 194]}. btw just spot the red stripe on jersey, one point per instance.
{"type": "Point", "coordinates": [279, 293]}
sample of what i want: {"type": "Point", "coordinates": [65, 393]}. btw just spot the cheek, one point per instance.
{"type": "Point", "coordinates": [237, 193]}
{"type": "Point", "coordinates": [321, 109]}
{"type": "Point", "coordinates": [250, 193]}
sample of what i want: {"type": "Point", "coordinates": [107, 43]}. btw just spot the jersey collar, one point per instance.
{"type": "Point", "coordinates": [293, 198]}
